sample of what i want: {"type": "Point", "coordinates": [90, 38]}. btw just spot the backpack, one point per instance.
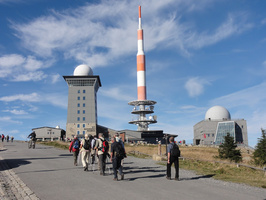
{"type": "Point", "coordinates": [175, 152]}
{"type": "Point", "coordinates": [76, 144]}
{"type": "Point", "coordinates": [105, 146]}
{"type": "Point", "coordinates": [87, 144]}
{"type": "Point", "coordinates": [119, 150]}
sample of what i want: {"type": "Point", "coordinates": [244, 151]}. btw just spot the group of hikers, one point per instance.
{"type": "Point", "coordinates": [91, 148]}
{"type": "Point", "coordinates": [3, 137]}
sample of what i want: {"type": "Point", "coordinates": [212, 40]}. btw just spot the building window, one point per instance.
{"type": "Point", "coordinates": [83, 111]}
{"type": "Point", "coordinates": [83, 118]}
{"type": "Point", "coordinates": [222, 129]}
{"type": "Point", "coordinates": [208, 135]}
{"type": "Point", "coordinates": [78, 119]}
{"type": "Point", "coordinates": [84, 98]}
{"type": "Point", "coordinates": [78, 111]}
{"type": "Point", "coordinates": [78, 105]}
{"type": "Point", "coordinates": [83, 125]}
{"type": "Point", "coordinates": [77, 132]}
{"type": "Point", "coordinates": [83, 132]}
{"type": "Point", "coordinates": [213, 135]}
{"type": "Point", "coordinates": [84, 91]}
{"type": "Point", "coordinates": [78, 98]}
{"type": "Point", "coordinates": [84, 105]}
{"type": "Point", "coordinates": [78, 91]}
{"type": "Point", "coordinates": [78, 125]}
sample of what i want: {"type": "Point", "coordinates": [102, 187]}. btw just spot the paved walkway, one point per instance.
{"type": "Point", "coordinates": [12, 187]}
{"type": "Point", "coordinates": [50, 173]}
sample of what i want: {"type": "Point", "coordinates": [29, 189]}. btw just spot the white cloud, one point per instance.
{"type": "Point", "coordinates": [264, 63]}
{"type": "Point", "coordinates": [235, 24]}
{"type": "Point", "coordinates": [19, 68]}
{"type": "Point", "coordinates": [112, 30]}
{"type": "Point", "coordinates": [32, 64]}
{"type": "Point", "coordinates": [16, 112]}
{"type": "Point", "coordinates": [11, 60]}
{"type": "Point", "coordinates": [249, 97]}
{"type": "Point", "coordinates": [117, 93]}
{"type": "Point", "coordinates": [31, 76]}
{"type": "Point", "coordinates": [33, 97]}
{"type": "Point", "coordinates": [195, 86]}
{"type": "Point", "coordinates": [263, 21]}
{"type": "Point", "coordinates": [55, 99]}
{"type": "Point", "coordinates": [10, 1]}
{"type": "Point", "coordinates": [55, 78]}
{"type": "Point", "coordinates": [9, 120]}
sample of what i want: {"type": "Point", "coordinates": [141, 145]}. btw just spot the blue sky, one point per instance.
{"type": "Point", "coordinates": [198, 54]}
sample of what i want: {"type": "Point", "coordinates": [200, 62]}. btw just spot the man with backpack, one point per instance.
{"type": "Point", "coordinates": [85, 151]}
{"type": "Point", "coordinates": [173, 154]}
{"type": "Point", "coordinates": [102, 148]}
{"type": "Point", "coordinates": [74, 147]}
{"type": "Point", "coordinates": [117, 154]}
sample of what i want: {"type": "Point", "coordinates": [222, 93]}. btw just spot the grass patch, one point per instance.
{"type": "Point", "coordinates": [57, 144]}
{"type": "Point", "coordinates": [226, 172]}
{"type": "Point", "coordinates": [138, 155]}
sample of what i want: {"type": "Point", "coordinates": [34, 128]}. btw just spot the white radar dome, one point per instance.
{"type": "Point", "coordinates": [217, 113]}
{"type": "Point", "coordinates": [83, 70]}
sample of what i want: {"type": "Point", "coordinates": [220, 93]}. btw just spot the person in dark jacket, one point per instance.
{"type": "Point", "coordinates": [172, 159]}
{"type": "Point", "coordinates": [117, 154]}
{"type": "Point", "coordinates": [32, 137]}
{"type": "Point", "coordinates": [74, 147]}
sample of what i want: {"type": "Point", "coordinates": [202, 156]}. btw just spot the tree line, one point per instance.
{"type": "Point", "coordinates": [228, 150]}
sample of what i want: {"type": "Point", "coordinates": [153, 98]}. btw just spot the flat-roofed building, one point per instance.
{"type": "Point", "coordinates": [49, 133]}
{"type": "Point", "coordinates": [216, 125]}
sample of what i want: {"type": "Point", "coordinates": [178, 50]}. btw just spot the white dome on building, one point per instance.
{"type": "Point", "coordinates": [83, 70]}
{"type": "Point", "coordinates": [217, 113]}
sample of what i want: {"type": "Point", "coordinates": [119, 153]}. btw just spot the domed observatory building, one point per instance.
{"type": "Point", "coordinates": [216, 125]}
{"type": "Point", "coordinates": [82, 102]}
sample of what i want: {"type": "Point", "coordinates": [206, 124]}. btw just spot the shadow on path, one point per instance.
{"type": "Point", "coordinates": [143, 177]}
{"type": "Point", "coordinates": [70, 154]}
{"type": "Point", "coordinates": [14, 163]}
{"type": "Point", "coordinates": [144, 172]}
{"type": "Point", "coordinates": [199, 177]}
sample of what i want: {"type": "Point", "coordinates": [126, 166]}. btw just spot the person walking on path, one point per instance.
{"type": "Point", "coordinates": [173, 153]}
{"type": "Point", "coordinates": [85, 151]}
{"type": "Point", "coordinates": [118, 138]}
{"type": "Point", "coordinates": [12, 138]}
{"type": "Point", "coordinates": [7, 138]}
{"type": "Point", "coordinates": [3, 137]}
{"type": "Point", "coordinates": [102, 147]}
{"type": "Point", "coordinates": [74, 147]}
{"type": "Point", "coordinates": [32, 137]}
{"type": "Point", "coordinates": [117, 154]}
{"type": "Point", "coordinates": [93, 151]}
